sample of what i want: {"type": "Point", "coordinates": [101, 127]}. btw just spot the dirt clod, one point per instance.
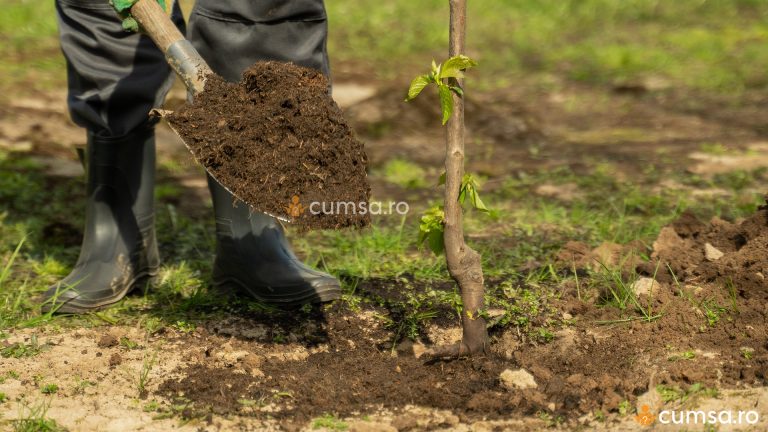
{"type": "Point", "coordinates": [742, 247]}
{"type": "Point", "coordinates": [107, 341]}
{"type": "Point", "coordinates": [115, 359]}
{"type": "Point", "coordinates": [278, 141]}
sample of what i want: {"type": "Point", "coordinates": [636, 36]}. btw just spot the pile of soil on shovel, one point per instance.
{"type": "Point", "coordinates": [278, 141]}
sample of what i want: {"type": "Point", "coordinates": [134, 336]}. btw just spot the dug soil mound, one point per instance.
{"type": "Point", "coordinates": [281, 144]}
{"type": "Point", "coordinates": [597, 347]}
{"type": "Point", "coordinates": [732, 254]}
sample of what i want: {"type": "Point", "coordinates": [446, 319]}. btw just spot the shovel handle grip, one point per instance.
{"type": "Point", "coordinates": [179, 53]}
{"type": "Point", "coordinates": [156, 23]}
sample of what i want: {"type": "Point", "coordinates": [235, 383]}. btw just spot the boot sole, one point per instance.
{"type": "Point", "coordinates": [74, 307]}
{"type": "Point", "coordinates": [314, 295]}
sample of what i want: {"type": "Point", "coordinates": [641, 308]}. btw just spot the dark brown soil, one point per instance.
{"type": "Point", "coordinates": [358, 372]}
{"type": "Point", "coordinates": [280, 143]}
{"type": "Point", "coordinates": [600, 356]}
{"type": "Point", "coordinates": [743, 265]}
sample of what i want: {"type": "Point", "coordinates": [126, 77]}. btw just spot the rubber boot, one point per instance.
{"type": "Point", "coordinates": [119, 250]}
{"type": "Point", "coordinates": [253, 255]}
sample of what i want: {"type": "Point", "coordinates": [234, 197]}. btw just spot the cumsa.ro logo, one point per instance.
{"type": "Point", "coordinates": [296, 209]}
{"type": "Point", "coordinates": [688, 417]}
{"type": "Point", "coordinates": [645, 417]}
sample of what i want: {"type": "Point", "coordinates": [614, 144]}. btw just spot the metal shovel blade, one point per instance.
{"type": "Point", "coordinates": [163, 114]}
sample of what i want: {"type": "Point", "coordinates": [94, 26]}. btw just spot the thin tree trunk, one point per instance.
{"type": "Point", "coordinates": [464, 264]}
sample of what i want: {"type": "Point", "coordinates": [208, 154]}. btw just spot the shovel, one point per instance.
{"type": "Point", "coordinates": [183, 59]}
{"type": "Point", "coordinates": [179, 52]}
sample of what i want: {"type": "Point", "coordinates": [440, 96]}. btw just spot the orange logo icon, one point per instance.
{"type": "Point", "coordinates": [645, 417]}
{"type": "Point", "coordinates": [295, 209]}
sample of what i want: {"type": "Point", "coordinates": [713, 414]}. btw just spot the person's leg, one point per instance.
{"type": "Point", "coordinates": [114, 79]}
{"type": "Point", "coordinates": [252, 253]}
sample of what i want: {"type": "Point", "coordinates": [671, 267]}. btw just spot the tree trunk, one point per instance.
{"type": "Point", "coordinates": [464, 264]}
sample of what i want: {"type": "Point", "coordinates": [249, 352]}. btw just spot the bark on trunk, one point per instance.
{"type": "Point", "coordinates": [464, 264]}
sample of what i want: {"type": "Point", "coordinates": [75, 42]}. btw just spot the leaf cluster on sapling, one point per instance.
{"type": "Point", "coordinates": [431, 225]}
{"type": "Point", "coordinates": [440, 75]}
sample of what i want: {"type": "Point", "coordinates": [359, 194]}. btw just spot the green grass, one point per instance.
{"type": "Point", "coordinates": [33, 418]}
{"type": "Point", "coordinates": [329, 422]}
{"type": "Point", "coordinates": [712, 45]}
{"type": "Point", "coordinates": [20, 349]}
{"type": "Point", "coordinates": [685, 355]}
{"type": "Point", "coordinates": [49, 389]}
{"type": "Point", "coordinates": [518, 240]}
{"type": "Point", "coordinates": [404, 174]}
{"type": "Point", "coordinates": [29, 46]}
{"type": "Point", "coordinates": [143, 377]}
{"type": "Point", "coordinates": [715, 45]}
{"type": "Point", "coordinates": [690, 394]}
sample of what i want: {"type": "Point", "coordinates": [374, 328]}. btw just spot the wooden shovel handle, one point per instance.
{"type": "Point", "coordinates": [156, 23]}
{"type": "Point", "coordinates": [179, 53]}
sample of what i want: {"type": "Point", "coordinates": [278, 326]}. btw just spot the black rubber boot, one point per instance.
{"type": "Point", "coordinates": [253, 255]}
{"type": "Point", "coordinates": [119, 250]}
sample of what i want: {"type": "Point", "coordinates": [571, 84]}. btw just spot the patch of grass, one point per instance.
{"type": "Point", "coordinates": [625, 407]}
{"type": "Point", "coordinates": [621, 290]}
{"type": "Point", "coordinates": [404, 173]}
{"type": "Point", "coordinates": [329, 421]}
{"type": "Point", "coordinates": [49, 388]}
{"type": "Point", "coordinates": [30, 47]}
{"type": "Point", "coordinates": [151, 406]}
{"type": "Point", "coordinates": [712, 311]}
{"type": "Point", "coordinates": [33, 418]}
{"type": "Point", "coordinates": [676, 394]}
{"type": "Point", "coordinates": [549, 419]}
{"type": "Point", "coordinates": [3, 397]}
{"type": "Point", "coordinates": [81, 385]}
{"type": "Point", "coordinates": [383, 250]}
{"type": "Point", "coordinates": [125, 342]}
{"type": "Point", "coordinates": [747, 352]}
{"type": "Point", "coordinates": [685, 355]}
{"type": "Point", "coordinates": [184, 327]}
{"type": "Point", "coordinates": [20, 349]}
{"type": "Point", "coordinates": [143, 378]}
{"type": "Point", "coordinates": [717, 149]}
{"type": "Point", "coordinates": [596, 41]}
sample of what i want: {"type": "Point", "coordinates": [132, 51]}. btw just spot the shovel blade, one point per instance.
{"type": "Point", "coordinates": [161, 113]}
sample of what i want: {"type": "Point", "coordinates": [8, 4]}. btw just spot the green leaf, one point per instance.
{"type": "Point", "coordinates": [441, 181]}
{"type": "Point", "coordinates": [130, 24]}
{"type": "Point", "coordinates": [436, 242]}
{"type": "Point", "coordinates": [126, 5]}
{"type": "Point", "coordinates": [470, 188]}
{"type": "Point", "coordinates": [446, 101]}
{"type": "Point", "coordinates": [431, 228]}
{"type": "Point", "coordinates": [453, 67]}
{"type": "Point", "coordinates": [122, 5]}
{"type": "Point", "coordinates": [477, 203]}
{"type": "Point", "coordinates": [417, 85]}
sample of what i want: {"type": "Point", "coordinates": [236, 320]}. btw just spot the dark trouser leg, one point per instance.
{"type": "Point", "coordinates": [252, 253]}
{"type": "Point", "coordinates": [114, 78]}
